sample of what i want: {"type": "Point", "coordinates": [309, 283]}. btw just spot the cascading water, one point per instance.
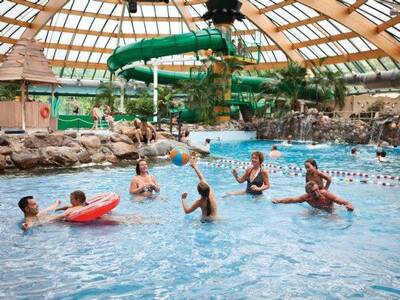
{"type": "Point", "coordinates": [377, 129]}
{"type": "Point", "coordinates": [305, 125]}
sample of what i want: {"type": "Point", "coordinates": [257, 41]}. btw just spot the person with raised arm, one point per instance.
{"type": "Point", "coordinates": [207, 202]}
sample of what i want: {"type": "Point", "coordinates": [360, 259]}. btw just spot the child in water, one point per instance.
{"type": "Point", "coordinates": [78, 200]}
{"type": "Point", "coordinates": [207, 201]}
{"type": "Point", "coordinates": [313, 174]}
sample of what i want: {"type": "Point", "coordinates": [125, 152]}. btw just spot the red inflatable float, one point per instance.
{"type": "Point", "coordinates": [45, 112]}
{"type": "Point", "coordinates": [96, 207]}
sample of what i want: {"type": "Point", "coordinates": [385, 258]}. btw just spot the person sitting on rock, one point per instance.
{"type": "Point", "coordinates": [143, 184]}
{"type": "Point", "coordinates": [33, 216]}
{"type": "Point", "coordinates": [317, 198]}
{"type": "Point", "coordinates": [147, 132]}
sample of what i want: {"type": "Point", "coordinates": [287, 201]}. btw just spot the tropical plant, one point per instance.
{"type": "Point", "coordinates": [202, 97]}
{"type": "Point", "coordinates": [105, 95]}
{"type": "Point", "coordinates": [8, 91]}
{"type": "Point", "coordinates": [333, 86]}
{"type": "Point", "coordinates": [288, 83]}
{"type": "Point", "coordinates": [141, 105]}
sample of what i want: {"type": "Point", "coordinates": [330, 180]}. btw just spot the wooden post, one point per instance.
{"type": "Point", "coordinates": [23, 103]}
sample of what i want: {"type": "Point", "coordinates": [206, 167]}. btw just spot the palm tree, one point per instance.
{"type": "Point", "coordinates": [333, 86]}
{"type": "Point", "coordinates": [105, 95]}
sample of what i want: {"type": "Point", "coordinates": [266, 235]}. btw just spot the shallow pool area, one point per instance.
{"type": "Point", "coordinates": [255, 250]}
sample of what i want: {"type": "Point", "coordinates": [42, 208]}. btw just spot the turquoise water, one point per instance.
{"type": "Point", "coordinates": [255, 250]}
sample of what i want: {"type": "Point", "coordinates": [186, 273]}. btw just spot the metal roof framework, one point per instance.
{"type": "Point", "coordinates": [77, 36]}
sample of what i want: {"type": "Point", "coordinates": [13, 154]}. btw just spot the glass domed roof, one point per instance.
{"type": "Point", "coordinates": [79, 35]}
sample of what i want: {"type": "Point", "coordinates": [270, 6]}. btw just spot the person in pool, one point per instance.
{"type": "Point", "coordinates": [317, 198]}
{"type": "Point", "coordinates": [313, 174]}
{"type": "Point", "coordinates": [257, 178]}
{"type": "Point", "coordinates": [275, 153]}
{"type": "Point", "coordinates": [33, 216]}
{"type": "Point", "coordinates": [143, 183]}
{"type": "Point", "coordinates": [207, 201]}
{"type": "Point", "coordinates": [78, 200]}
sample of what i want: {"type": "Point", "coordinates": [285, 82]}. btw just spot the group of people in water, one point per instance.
{"type": "Point", "coordinates": [145, 185]}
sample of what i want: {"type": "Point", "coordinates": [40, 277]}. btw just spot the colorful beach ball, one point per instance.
{"type": "Point", "coordinates": [179, 156]}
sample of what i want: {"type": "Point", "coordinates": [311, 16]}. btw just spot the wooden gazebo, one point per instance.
{"type": "Point", "coordinates": [26, 64]}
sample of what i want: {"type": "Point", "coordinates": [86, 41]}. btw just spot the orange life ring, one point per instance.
{"type": "Point", "coordinates": [45, 112]}
{"type": "Point", "coordinates": [96, 207]}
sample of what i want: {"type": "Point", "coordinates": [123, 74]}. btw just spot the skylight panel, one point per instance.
{"type": "Point", "coordinates": [90, 41]}
{"type": "Point", "coordinates": [93, 6]}
{"type": "Point", "coordinates": [280, 56]}
{"type": "Point", "coordinates": [59, 54]}
{"type": "Point", "coordinates": [79, 5]}
{"type": "Point", "coordinates": [4, 48]}
{"type": "Point", "coordinates": [307, 32]}
{"type": "Point", "coordinates": [347, 46]}
{"type": "Point", "coordinates": [306, 10]}
{"type": "Point", "coordinates": [102, 41]}
{"type": "Point", "coordinates": [338, 26]}
{"type": "Point", "coordinates": [315, 49]}
{"type": "Point", "coordinates": [94, 58]}
{"type": "Point", "coordinates": [73, 21]}
{"type": "Point", "coordinates": [370, 45]}
{"type": "Point", "coordinates": [148, 11]}
{"type": "Point", "coordinates": [173, 12]}
{"type": "Point", "coordinates": [161, 11]}
{"type": "Point", "coordinates": [151, 27]}
{"type": "Point", "coordinates": [139, 27]}
{"type": "Point", "coordinates": [307, 54]}
{"type": "Point", "coordinates": [395, 32]}
{"type": "Point", "coordinates": [73, 55]}
{"type": "Point", "coordinates": [65, 38]}
{"type": "Point", "coordinates": [6, 5]}
{"type": "Point", "coordinates": [83, 56]}
{"type": "Point", "coordinates": [163, 27]}
{"type": "Point", "coordinates": [108, 8]}
{"type": "Point", "coordinates": [328, 27]}
{"type": "Point", "coordinates": [98, 24]}
{"type": "Point", "coordinates": [299, 15]}
{"type": "Point", "coordinates": [285, 15]}
{"type": "Point", "coordinates": [327, 50]}
{"type": "Point", "coordinates": [17, 34]}
{"type": "Point", "coordinates": [176, 28]}
{"type": "Point", "coordinates": [277, 18]}
{"type": "Point", "coordinates": [85, 22]}
{"type": "Point", "coordinates": [59, 20]}
{"type": "Point", "coordinates": [360, 44]}
{"type": "Point", "coordinates": [200, 8]}
{"type": "Point", "coordinates": [49, 53]}
{"type": "Point", "coordinates": [28, 15]}
{"type": "Point", "coordinates": [111, 26]}
{"type": "Point", "coordinates": [53, 37]}
{"type": "Point", "coordinates": [334, 48]}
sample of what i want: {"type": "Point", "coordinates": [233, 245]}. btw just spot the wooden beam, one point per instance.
{"type": "Point", "coordinates": [14, 21]}
{"type": "Point", "coordinates": [275, 6]}
{"type": "Point", "coordinates": [301, 23]}
{"type": "Point", "coordinates": [194, 2]}
{"type": "Point", "coordinates": [41, 19]}
{"type": "Point", "coordinates": [389, 23]}
{"type": "Point", "coordinates": [324, 40]}
{"type": "Point", "coordinates": [326, 61]}
{"type": "Point", "coordinates": [28, 4]}
{"type": "Point", "coordinates": [142, 3]}
{"type": "Point", "coordinates": [357, 23]}
{"type": "Point", "coordinates": [355, 5]}
{"type": "Point", "coordinates": [268, 28]}
{"type": "Point", "coordinates": [126, 18]}
{"type": "Point", "coordinates": [185, 13]}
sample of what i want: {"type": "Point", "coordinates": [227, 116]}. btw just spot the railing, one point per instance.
{"type": "Point", "coordinates": [363, 116]}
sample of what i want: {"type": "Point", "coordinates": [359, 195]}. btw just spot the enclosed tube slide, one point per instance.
{"type": "Point", "coordinates": [147, 49]}
{"type": "Point", "coordinates": [171, 45]}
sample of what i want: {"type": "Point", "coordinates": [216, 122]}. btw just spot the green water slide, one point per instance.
{"type": "Point", "coordinates": [147, 49]}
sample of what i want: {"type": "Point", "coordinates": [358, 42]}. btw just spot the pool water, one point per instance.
{"type": "Point", "coordinates": [255, 250]}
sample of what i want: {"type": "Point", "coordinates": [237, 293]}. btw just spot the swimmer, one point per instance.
{"type": "Point", "coordinates": [317, 198]}
{"type": "Point", "coordinates": [143, 183]}
{"type": "Point", "coordinates": [78, 200]}
{"type": "Point", "coordinates": [381, 156]}
{"type": "Point", "coordinates": [33, 216]}
{"type": "Point", "coordinates": [275, 153]}
{"type": "Point", "coordinates": [354, 151]}
{"type": "Point", "coordinates": [207, 201]}
{"type": "Point", "coordinates": [289, 139]}
{"type": "Point", "coordinates": [257, 178]}
{"type": "Point", "coordinates": [313, 174]}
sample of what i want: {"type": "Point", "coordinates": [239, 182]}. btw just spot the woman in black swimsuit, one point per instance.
{"type": "Point", "coordinates": [257, 178]}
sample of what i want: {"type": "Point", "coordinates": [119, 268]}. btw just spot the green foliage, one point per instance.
{"type": "Point", "coordinates": [376, 106]}
{"type": "Point", "coordinates": [105, 96]}
{"type": "Point", "coordinates": [8, 91]}
{"type": "Point", "coordinates": [164, 98]}
{"type": "Point", "coordinates": [201, 98]}
{"type": "Point", "coordinates": [333, 86]}
{"type": "Point", "coordinates": [141, 106]}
